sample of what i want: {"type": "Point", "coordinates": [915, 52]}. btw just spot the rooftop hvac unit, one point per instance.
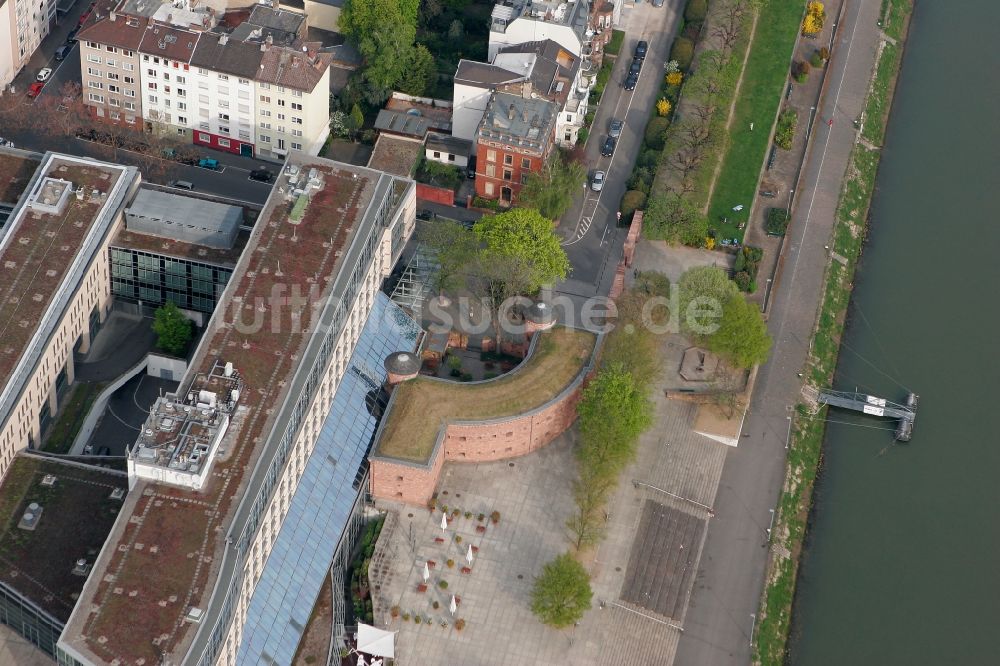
{"type": "Point", "coordinates": [49, 480]}
{"type": "Point", "coordinates": [228, 371]}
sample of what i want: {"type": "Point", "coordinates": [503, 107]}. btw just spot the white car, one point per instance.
{"type": "Point", "coordinates": [44, 75]}
{"type": "Point", "coordinates": [597, 181]}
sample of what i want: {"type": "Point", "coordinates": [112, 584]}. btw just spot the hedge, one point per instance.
{"type": "Point", "coordinates": [777, 221]}
{"type": "Point", "coordinates": [655, 135]}
{"type": "Point", "coordinates": [682, 52]}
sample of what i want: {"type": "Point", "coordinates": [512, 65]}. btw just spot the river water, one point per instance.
{"type": "Point", "coordinates": [902, 562]}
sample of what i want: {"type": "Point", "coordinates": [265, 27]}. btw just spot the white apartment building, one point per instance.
{"type": "Point", "coordinates": [165, 76]}
{"type": "Point", "coordinates": [293, 101]}
{"type": "Point", "coordinates": [224, 94]}
{"type": "Point", "coordinates": [23, 26]}
{"type": "Point", "coordinates": [109, 68]}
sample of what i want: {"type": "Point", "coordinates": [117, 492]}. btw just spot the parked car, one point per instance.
{"type": "Point", "coordinates": [615, 127]}
{"type": "Point", "coordinates": [44, 75]}
{"type": "Point", "coordinates": [630, 81]}
{"type": "Point", "coordinates": [63, 51]}
{"type": "Point", "coordinates": [657, 3]}
{"type": "Point", "coordinates": [261, 175]}
{"type": "Point", "coordinates": [470, 170]}
{"type": "Point", "coordinates": [597, 181]}
{"type": "Point", "coordinates": [71, 37]}
{"type": "Point", "coordinates": [181, 184]}
{"type": "Point", "coordinates": [209, 163]}
{"type": "Point", "coordinates": [641, 48]}
{"type": "Point", "coordinates": [4, 142]}
{"type": "Point", "coordinates": [608, 148]}
{"type": "Point", "coordinates": [636, 66]}
{"type": "Point", "coordinates": [35, 89]}
{"type": "Point", "coordinates": [424, 214]}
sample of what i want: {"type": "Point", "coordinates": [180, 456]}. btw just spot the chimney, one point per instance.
{"type": "Point", "coordinates": [269, 40]}
{"type": "Point", "coordinates": [526, 89]}
{"type": "Point", "coordinates": [511, 113]}
{"type": "Point", "coordinates": [113, 16]}
{"type": "Point", "coordinates": [524, 114]}
{"type": "Point", "coordinates": [223, 39]}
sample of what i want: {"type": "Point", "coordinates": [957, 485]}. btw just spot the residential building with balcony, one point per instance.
{"type": "Point", "coordinates": [293, 99]}
{"type": "Point", "coordinates": [516, 21]}
{"type": "Point", "coordinates": [110, 67]}
{"type": "Point", "coordinates": [23, 26]}
{"type": "Point", "coordinates": [515, 137]}
{"type": "Point", "coordinates": [166, 77]}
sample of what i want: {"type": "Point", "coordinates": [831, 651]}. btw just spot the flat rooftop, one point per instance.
{"type": "Point", "coordinates": [164, 558]}
{"type": "Point", "coordinates": [77, 513]}
{"type": "Point", "coordinates": [395, 156]}
{"type": "Point", "coordinates": [15, 172]}
{"type": "Point", "coordinates": [422, 406]}
{"type": "Point", "coordinates": [168, 247]}
{"type": "Point", "coordinates": [37, 250]}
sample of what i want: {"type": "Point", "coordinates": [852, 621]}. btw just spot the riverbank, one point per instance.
{"type": "Point", "coordinates": [805, 444]}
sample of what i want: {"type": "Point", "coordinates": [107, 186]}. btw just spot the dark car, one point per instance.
{"type": "Point", "coordinates": [425, 215]}
{"type": "Point", "coordinates": [641, 48]}
{"type": "Point", "coordinates": [615, 128]}
{"type": "Point", "coordinates": [262, 175]}
{"type": "Point", "coordinates": [71, 37]}
{"type": "Point", "coordinates": [636, 65]}
{"type": "Point", "coordinates": [608, 148]}
{"type": "Point", "coordinates": [63, 51]}
{"type": "Point", "coordinates": [470, 170]}
{"type": "Point", "coordinates": [630, 81]}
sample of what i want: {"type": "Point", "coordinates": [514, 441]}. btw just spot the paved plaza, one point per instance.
{"type": "Point", "coordinates": [676, 474]}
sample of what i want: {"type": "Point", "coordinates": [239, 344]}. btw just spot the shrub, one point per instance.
{"type": "Point", "coordinates": [458, 538]}
{"type": "Point", "coordinates": [777, 221]}
{"type": "Point", "coordinates": [815, 59]}
{"type": "Point", "coordinates": [675, 78]}
{"type": "Point", "coordinates": [443, 585]}
{"type": "Point", "coordinates": [631, 202]}
{"type": "Point", "coordinates": [641, 180]}
{"type": "Point", "coordinates": [589, 118]}
{"type": "Point", "coordinates": [653, 283]}
{"type": "Point", "coordinates": [800, 71]}
{"type": "Point", "coordinates": [663, 107]}
{"type": "Point", "coordinates": [495, 517]}
{"type": "Point", "coordinates": [481, 517]}
{"type": "Point", "coordinates": [656, 133]}
{"type": "Point", "coordinates": [682, 52]}
{"type": "Point", "coordinates": [394, 611]}
{"type": "Point", "coordinates": [696, 10]}
{"type": "Point", "coordinates": [648, 158]}
{"type": "Point", "coordinates": [406, 617]}
{"type": "Point", "coordinates": [785, 130]}
{"type": "Point", "coordinates": [489, 204]}
{"type": "Point", "coordinates": [582, 136]}
{"type": "Point", "coordinates": [436, 605]}
{"type": "Point", "coordinates": [418, 619]}
{"type": "Point", "coordinates": [450, 563]}
{"type": "Point", "coordinates": [459, 624]}
{"type": "Point", "coordinates": [824, 53]}
{"type": "Point", "coordinates": [468, 515]}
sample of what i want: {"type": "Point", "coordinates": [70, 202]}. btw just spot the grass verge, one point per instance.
{"type": "Point", "coordinates": [759, 97]}
{"type": "Point", "coordinates": [805, 448]}
{"type": "Point", "coordinates": [877, 104]}
{"type": "Point", "coordinates": [74, 411]}
{"type": "Point", "coordinates": [614, 45]}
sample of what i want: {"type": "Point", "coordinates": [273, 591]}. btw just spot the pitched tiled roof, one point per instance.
{"type": "Point", "coordinates": [167, 41]}
{"type": "Point", "coordinates": [222, 54]}
{"type": "Point", "coordinates": [297, 69]}
{"type": "Point", "coordinates": [125, 32]}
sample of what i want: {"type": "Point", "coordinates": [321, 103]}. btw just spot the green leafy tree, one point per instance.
{"type": "Point", "coordinates": [383, 31]}
{"type": "Point", "coordinates": [456, 30]}
{"type": "Point", "coordinates": [613, 411]}
{"type": "Point", "coordinates": [632, 201]}
{"type": "Point", "coordinates": [551, 191]}
{"type": "Point", "coordinates": [356, 120]}
{"type": "Point", "coordinates": [420, 75]}
{"type": "Point", "coordinates": [696, 10]}
{"type": "Point", "coordinates": [172, 328]}
{"type": "Point", "coordinates": [562, 593]}
{"type": "Point", "coordinates": [454, 247]}
{"type": "Point", "coordinates": [519, 253]}
{"type": "Point", "coordinates": [712, 287]}
{"type": "Point", "coordinates": [675, 219]}
{"type": "Point", "coordinates": [742, 337]}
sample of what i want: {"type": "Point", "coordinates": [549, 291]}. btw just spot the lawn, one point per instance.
{"type": "Point", "coordinates": [877, 105]}
{"type": "Point", "coordinates": [423, 405]}
{"type": "Point", "coordinates": [757, 102]}
{"type": "Point", "coordinates": [614, 45]}
{"type": "Point", "coordinates": [72, 413]}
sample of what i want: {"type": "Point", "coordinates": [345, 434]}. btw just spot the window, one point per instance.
{"type": "Point", "coordinates": [145, 58]}
{"type": "Point", "coordinates": [202, 85]}
{"type": "Point", "coordinates": [296, 146]}
{"type": "Point", "coordinates": [181, 106]}
{"type": "Point", "coordinates": [223, 116]}
{"type": "Point", "coordinates": [296, 121]}
{"type": "Point", "coordinates": [281, 116]}
{"type": "Point", "coordinates": [114, 89]}
{"type": "Point", "coordinates": [203, 126]}
{"type": "Point", "coordinates": [180, 79]}
{"type": "Point", "coordinates": [296, 106]}
{"type": "Point", "coordinates": [151, 73]}
{"type": "Point", "coordinates": [223, 104]}
{"type": "Point", "coordinates": [130, 93]}
{"type": "Point", "coordinates": [265, 138]}
{"type": "Point", "coordinates": [508, 159]}
{"type": "Point", "coordinates": [109, 49]}
{"type": "Point", "coordinates": [129, 80]}
{"type": "Point", "coordinates": [113, 102]}
{"type": "Point", "coordinates": [203, 99]}
{"type": "Point", "coordinates": [244, 82]}
{"type": "Point", "coordinates": [491, 156]}
{"type": "Point", "coordinates": [202, 71]}
{"type": "Point", "coordinates": [93, 45]}
{"type": "Point", "coordinates": [281, 102]}
{"type": "Point", "coordinates": [525, 163]}
{"type": "Point", "coordinates": [296, 93]}
{"type": "Point", "coordinates": [93, 72]}
{"type": "Point", "coordinates": [96, 98]}
{"type": "Point", "coordinates": [93, 58]}
{"type": "Point", "coordinates": [223, 77]}
{"type": "Point", "coordinates": [223, 90]}
{"type": "Point", "coordinates": [166, 76]}
{"type": "Point", "coordinates": [181, 92]}
{"type": "Point", "coordinates": [166, 89]}
{"type": "Point", "coordinates": [265, 99]}
{"type": "Point", "coordinates": [245, 135]}
{"type": "Point", "coordinates": [437, 154]}
{"type": "Point", "coordinates": [115, 115]}
{"type": "Point", "coordinates": [489, 189]}
{"type": "Point", "coordinates": [451, 158]}
{"type": "Point", "coordinates": [130, 106]}
{"type": "Point", "coordinates": [524, 178]}
{"type": "Point", "coordinates": [243, 94]}
{"type": "Point", "coordinates": [128, 67]}
{"type": "Point", "coordinates": [508, 174]}
{"type": "Point", "coordinates": [166, 103]}
{"type": "Point", "coordinates": [181, 120]}
{"type": "Point", "coordinates": [204, 137]}
{"type": "Point", "coordinates": [111, 63]}
{"type": "Point", "coordinates": [223, 129]}
{"type": "Point", "coordinates": [127, 53]}
{"type": "Point", "coordinates": [113, 76]}
{"type": "Point", "coordinates": [244, 108]}
{"type": "Point", "coordinates": [96, 85]}
{"type": "Point", "coordinates": [491, 171]}
{"type": "Point", "coordinates": [296, 132]}
{"type": "Point", "coordinates": [265, 113]}
{"type": "Point", "coordinates": [281, 144]}
{"type": "Point", "coordinates": [265, 125]}
{"type": "Point", "coordinates": [224, 143]}
{"type": "Point", "coordinates": [152, 86]}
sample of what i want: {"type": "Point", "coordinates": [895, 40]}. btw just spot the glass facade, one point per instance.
{"type": "Point", "coordinates": [155, 279]}
{"type": "Point", "coordinates": [320, 510]}
{"type": "Point", "coordinates": [32, 623]}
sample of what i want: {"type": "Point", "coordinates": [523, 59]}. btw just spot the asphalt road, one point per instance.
{"type": "Point", "coordinates": [592, 239]}
{"type": "Point", "coordinates": [718, 625]}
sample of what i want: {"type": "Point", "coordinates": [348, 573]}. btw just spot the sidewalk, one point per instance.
{"type": "Point", "coordinates": [731, 577]}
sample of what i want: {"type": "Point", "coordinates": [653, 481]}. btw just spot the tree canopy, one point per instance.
{"type": "Point", "coordinates": [562, 593]}
{"type": "Point", "coordinates": [742, 337]}
{"type": "Point", "coordinates": [383, 31]}
{"type": "Point", "coordinates": [714, 290]}
{"type": "Point", "coordinates": [675, 219]}
{"type": "Point", "coordinates": [551, 191]}
{"type": "Point", "coordinates": [613, 411]}
{"type": "Point", "coordinates": [526, 242]}
{"type": "Point", "coordinates": [172, 328]}
{"type": "Point", "coordinates": [420, 73]}
{"type": "Point", "coordinates": [454, 247]}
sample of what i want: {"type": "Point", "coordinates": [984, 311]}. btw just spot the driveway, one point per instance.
{"type": "Point", "coordinates": [591, 236]}
{"type": "Point", "coordinates": [126, 411]}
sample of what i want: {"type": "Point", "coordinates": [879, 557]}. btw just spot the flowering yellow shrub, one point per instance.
{"type": "Point", "coordinates": [674, 78]}
{"type": "Point", "coordinates": [813, 22]}
{"type": "Point", "coordinates": [663, 106]}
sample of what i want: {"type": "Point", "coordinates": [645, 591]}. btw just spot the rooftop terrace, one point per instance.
{"type": "Point", "coordinates": [422, 406]}
{"type": "Point", "coordinates": [15, 172]}
{"type": "Point", "coordinates": [170, 550]}
{"type": "Point", "coordinates": [38, 248]}
{"type": "Point", "coordinates": [77, 513]}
